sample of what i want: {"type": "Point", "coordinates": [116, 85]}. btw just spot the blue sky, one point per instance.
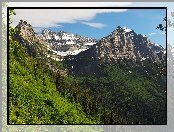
{"type": "Point", "coordinates": [97, 23]}
{"type": "Point", "coordinates": [142, 21]}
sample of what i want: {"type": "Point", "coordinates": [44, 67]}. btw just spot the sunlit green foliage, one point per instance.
{"type": "Point", "coordinates": [33, 97]}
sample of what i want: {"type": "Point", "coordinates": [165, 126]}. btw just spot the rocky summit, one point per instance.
{"type": "Point", "coordinates": [125, 43]}
{"type": "Point", "coordinates": [121, 45]}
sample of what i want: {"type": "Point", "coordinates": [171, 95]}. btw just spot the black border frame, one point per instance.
{"type": "Point", "coordinates": [75, 8]}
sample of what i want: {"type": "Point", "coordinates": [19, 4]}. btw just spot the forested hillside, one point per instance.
{"type": "Point", "coordinates": [33, 97]}
{"type": "Point", "coordinates": [129, 95]}
{"type": "Point", "coordinates": [38, 95]}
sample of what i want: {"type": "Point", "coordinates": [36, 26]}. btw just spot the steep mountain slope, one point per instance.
{"type": "Point", "coordinates": [59, 43]}
{"type": "Point", "coordinates": [124, 65]}
{"type": "Point", "coordinates": [40, 95]}
{"type": "Point", "coordinates": [121, 46]}
{"type": "Point", "coordinates": [119, 80]}
{"type": "Point", "coordinates": [66, 42]}
{"type": "Point", "coordinates": [33, 97]}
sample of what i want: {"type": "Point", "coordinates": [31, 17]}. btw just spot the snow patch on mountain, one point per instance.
{"type": "Point", "coordinates": [126, 29]}
{"type": "Point", "coordinates": [164, 51]}
{"type": "Point", "coordinates": [157, 45]}
{"type": "Point", "coordinates": [75, 52]}
{"type": "Point", "coordinates": [71, 42]}
{"type": "Point", "coordinates": [143, 35]}
{"type": "Point", "coordinates": [89, 43]}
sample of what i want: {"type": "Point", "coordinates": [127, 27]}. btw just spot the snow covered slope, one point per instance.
{"type": "Point", "coordinates": [64, 43]}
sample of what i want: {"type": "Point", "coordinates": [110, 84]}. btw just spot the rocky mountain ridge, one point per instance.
{"type": "Point", "coordinates": [121, 44]}
{"type": "Point", "coordinates": [125, 43]}
{"type": "Point", "coordinates": [64, 43]}
{"type": "Point", "coordinates": [60, 43]}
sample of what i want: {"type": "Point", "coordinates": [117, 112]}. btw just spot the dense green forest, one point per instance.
{"type": "Point", "coordinates": [40, 95]}
{"type": "Point", "coordinates": [130, 95]}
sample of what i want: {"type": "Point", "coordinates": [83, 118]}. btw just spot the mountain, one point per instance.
{"type": "Point", "coordinates": [60, 43]}
{"type": "Point", "coordinates": [123, 45]}
{"type": "Point", "coordinates": [120, 79]}
{"type": "Point", "coordinates": [65, 43]}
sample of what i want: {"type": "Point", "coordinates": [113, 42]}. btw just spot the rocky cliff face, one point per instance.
{"type": "Point", "coordinates": [60, 43]}
{"type": "Point", "coordinates": [125, 43]}
{"type": "Point", "coordinates": [65, 43]}
{"type": "Point", "coordinates": [121, 44]}
{"type": "Point", "coordinates": [28, 38]}
{"type": "Point", "coordinates": [26, 31]}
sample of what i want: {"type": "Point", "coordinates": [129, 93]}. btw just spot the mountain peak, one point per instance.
{"type": "Point", "coordinates": [126, 29]}
{"type": "Point", "coordinates": [121, 43]}
{"type": "Point", "coordinates": [26, 31]}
